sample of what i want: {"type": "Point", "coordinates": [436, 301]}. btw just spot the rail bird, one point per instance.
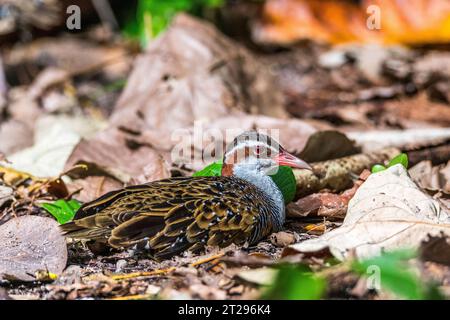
{"type": "Point", "coordinates": [242, 206]}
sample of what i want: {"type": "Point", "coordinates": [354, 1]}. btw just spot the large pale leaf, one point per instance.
{"type": "Point", "coordinates": [388, 212]}
{"type": "Point", "coordinates": [55, 138]}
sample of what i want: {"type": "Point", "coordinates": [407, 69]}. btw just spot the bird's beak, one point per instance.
{"type": "Point", "coordinates": [284, 158]}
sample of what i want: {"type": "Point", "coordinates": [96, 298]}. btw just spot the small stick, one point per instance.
{"type": "Point", "coordinates": [142, 274]}
{"type": "Point", "coordinates": [208, 259]}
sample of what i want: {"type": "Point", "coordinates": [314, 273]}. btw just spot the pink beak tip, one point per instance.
{"type": "Point", "coordinates": [287, 159]}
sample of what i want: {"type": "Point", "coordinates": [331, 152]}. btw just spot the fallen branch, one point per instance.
{"type": "Point", "coordinates": [338, 174]}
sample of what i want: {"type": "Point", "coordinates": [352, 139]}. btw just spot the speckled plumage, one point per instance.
{"type": "Point", "coordinates": [177, 214]}
{"type": "Point", "coordinates": [242, 206]}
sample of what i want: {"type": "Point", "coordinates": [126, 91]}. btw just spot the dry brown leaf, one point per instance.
{"type": "Point", "coordinates": [324, 204]}
{"type": "Point", "coordinates": [64, 54]}
{"type": "Point", "coordinates": [436, 249]}
{"type": "Point", "coordinates": [388, 212]}
{"type": "Point", "coordinates": [47, 79]}
{"type": "Point", "coordinates": [193, 72]}
{"type": "Point", "coordinates": [120, 153]}
{"type": "Point", "coordinates": [253, 260]}
{"type": "Point", "coordinates": [431, 178]}
{"type": "Point", "coordinates": [419, 108]}
{"type": "Point", "coordinates": [435, 180]}
{"type": "Point", "coordinates": [92, 187]}
{"type": "Point", "coordinates": [30, 244]}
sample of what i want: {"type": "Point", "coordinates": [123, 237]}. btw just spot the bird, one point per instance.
{"type": "Point", "coordinates": [242, 206]}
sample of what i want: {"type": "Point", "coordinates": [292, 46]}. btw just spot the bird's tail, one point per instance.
{"type": "Point", "coordinates": [70, 227]}
{"type": "Point", "coordinates": [73, 230]}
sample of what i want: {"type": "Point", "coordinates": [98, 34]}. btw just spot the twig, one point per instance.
{"type": "Point", "coordinates": [142, 274]}
{"type": "Point", "coordinates": [208, 259]}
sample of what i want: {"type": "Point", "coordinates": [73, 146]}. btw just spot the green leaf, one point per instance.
{"type": "Point", "coordinates": [378, 168]}
{"type": "Point", "coordinates": [212, 170]}
{"type": "Point", "coordinates": [284, 178]}
{"type": "Point", "coordinates": [153, 16]}
{"type": "Point", "coordinates": [395, 274]}
{"type": "Point", "coordinates": [295, 283]}
{"type": "Point", "coordinates": [402, 159]}
{"type": "Point", "coordinates": [62, 210]}
{"type": "Point", "coordinates": [285, 181]}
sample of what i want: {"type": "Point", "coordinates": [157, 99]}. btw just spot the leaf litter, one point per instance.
{"type": "Point", "coordinates": [78, 135]}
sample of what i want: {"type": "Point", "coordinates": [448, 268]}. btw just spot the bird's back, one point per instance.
{"type": "Point", "coordinates": [176, 214]}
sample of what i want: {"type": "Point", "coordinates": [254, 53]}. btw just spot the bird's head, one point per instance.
{"type": "Point", "coordinates": [256, 153]}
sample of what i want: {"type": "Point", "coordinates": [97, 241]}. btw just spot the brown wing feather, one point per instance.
{"type": "Point", "coordinates": [176, 214]}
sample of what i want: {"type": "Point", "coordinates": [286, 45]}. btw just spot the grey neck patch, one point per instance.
{"type": "Point", "coordinates": [251, 174]}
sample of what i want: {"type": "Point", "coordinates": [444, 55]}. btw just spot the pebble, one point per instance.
{"type": "Point", "coordinates": [120, 265]}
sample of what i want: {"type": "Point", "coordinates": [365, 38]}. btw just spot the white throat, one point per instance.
{"type": "Point", "coordinates": [270, 189]}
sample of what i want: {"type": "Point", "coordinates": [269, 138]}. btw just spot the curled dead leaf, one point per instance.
{"type": "Point", "coordinates": [324, 204]}
{"type": "Point", "coordinates": [431, 178]}
{"type": "Point", "coordinates": [113, 153]}
{"type": "Point", "coordinates": [326, 145]}
{"type": "Point", "coordinates": [388, 212]}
